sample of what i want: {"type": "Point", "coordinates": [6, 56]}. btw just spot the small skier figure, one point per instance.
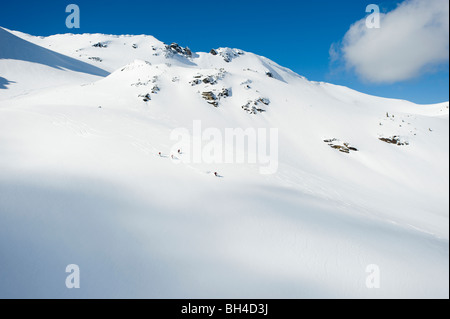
{"type": "Point", "coordinates": [172, 156]}
{"type": "Point", "coordinates": [160, 155]}
{"type": "Point", "coordinates": [215, 174]}
{"type": "Point", "coordinates": [179, 152]}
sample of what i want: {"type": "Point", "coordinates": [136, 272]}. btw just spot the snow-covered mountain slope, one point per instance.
{"type": "Point", "coordinates": [359, 180]}
{"type": "Point", "coordinates": [25, 66]}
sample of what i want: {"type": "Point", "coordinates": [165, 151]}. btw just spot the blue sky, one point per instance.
{"type": "Point", "coordinates": [295, 34]}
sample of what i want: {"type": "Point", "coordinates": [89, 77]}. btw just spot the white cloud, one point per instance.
{"type": "Point", "coordinates": [412, 39]}
{"type": "Point", "coordinates": [334, 53]}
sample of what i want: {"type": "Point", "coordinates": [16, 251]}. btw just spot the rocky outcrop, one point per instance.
{"type": "Point", "coordinates": [214, 98]}
{"type": "Point", "coordinates": [95, 58]}
{"type": "Point", "coordinates": [100, 45]}
{"type": "Point", "coordinates": [252, 106]}
{"type": "Point", "coordinates": [396, 140]}
{"type": "Point", "coordinates": [155, 89]}
{"type": "Point", "coordinates": [211, 98]}
{"type": "Point", "coordinates": [263, 100]}
{"type": "Point", "coordinates": [227, 54]}
{"type": "Point", "coordinates": [174, 49]}
{"type": "Point", "coordinates": [225, 93]}
{"type": "Point", "coordinates": [145, 97]}
{"type": "Point", "coordinates": [208, 79]}
{"type": "Point", "coordinates": [345, 147]}
{"type": "Point", "coordinates": [195, 82]}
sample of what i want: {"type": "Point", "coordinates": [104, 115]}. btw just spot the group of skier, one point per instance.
{"type": "Point", "coordinates": [180, 153]}
{"type": "Point", "coordinates": [172, 156]}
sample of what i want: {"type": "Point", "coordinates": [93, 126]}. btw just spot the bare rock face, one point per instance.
{"type": "Point", "coordinates": [95, 58]}
{"type": "Point", "coordinates": [225, 93]}
{"type": "Point", "coordinates": [208, 79]}
{"type": "Point", "coordinates": [264, 101]}
{"type": "Point", "coordinates": [345, 147]}
{"type": "Point", "coordinates": [211, 98]}
{"type": "Point", "coordinates": [155, 89]}
{"type": "Point", "coordinates": [227, 54]}
{"type": "Point", "coordinates": [252, 106]}
{"type": "Point", "coordinates": [396, 140]}
{"type": "Point", "coordinates": [100, 45]}
{"type": "Point", "coordinates": [174, 49]}
{"type": "Point", "coordinates": [146, 97]}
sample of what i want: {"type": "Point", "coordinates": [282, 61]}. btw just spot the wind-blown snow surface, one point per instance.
{"type": "Point", "coordinates": [84, 185]}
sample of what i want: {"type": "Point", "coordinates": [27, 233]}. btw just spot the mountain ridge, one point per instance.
{"type": "Point", "coordinates": [90, 172]}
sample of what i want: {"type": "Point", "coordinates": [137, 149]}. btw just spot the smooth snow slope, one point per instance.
{"type": "Point", "coordinates": [82, 184]}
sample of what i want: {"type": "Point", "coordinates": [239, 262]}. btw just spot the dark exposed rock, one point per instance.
{"type": "Point", "coordinates": [225, 93]}
{"type": "Point", "coordinates": [135, 46]}
{"type": "Point", "coordinates": [155, 89]}
{"type": "Point", "coordinates": [94, 58]}
{"type": "Point", "coordinates": [344, 147]}
{"type": "Point", "coordinates": [251, 106]}
{"type": "Point", "coordinates": [211, 98]}
{"type": "Point", "coordinates": [251, 109]}
{"type": "Point", "coordinates": [209, 80]}
{"type": "Point", "coordinates": [227, 54]}
{"type": "Point", "coordinates": [195, 82]}
{"type": "Point", "coordinates": [146, 97]}
{"type": "Point", "coordinates": [100, 45]}
{"type": "Point", "coordinates": [351, 148]}
{"type": "Point", "coordinates": [269, 74]}
{"type": "Point", "coordinates": [341, 148]}
{"type": "Point", "coordinates": [264, 101]}
{"type": "Point", "coordinates": [395, 140]}
{"type": "Point", "coordinates": [388, 140]}
{"type": "Point", "coordinates": [174, 48]}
